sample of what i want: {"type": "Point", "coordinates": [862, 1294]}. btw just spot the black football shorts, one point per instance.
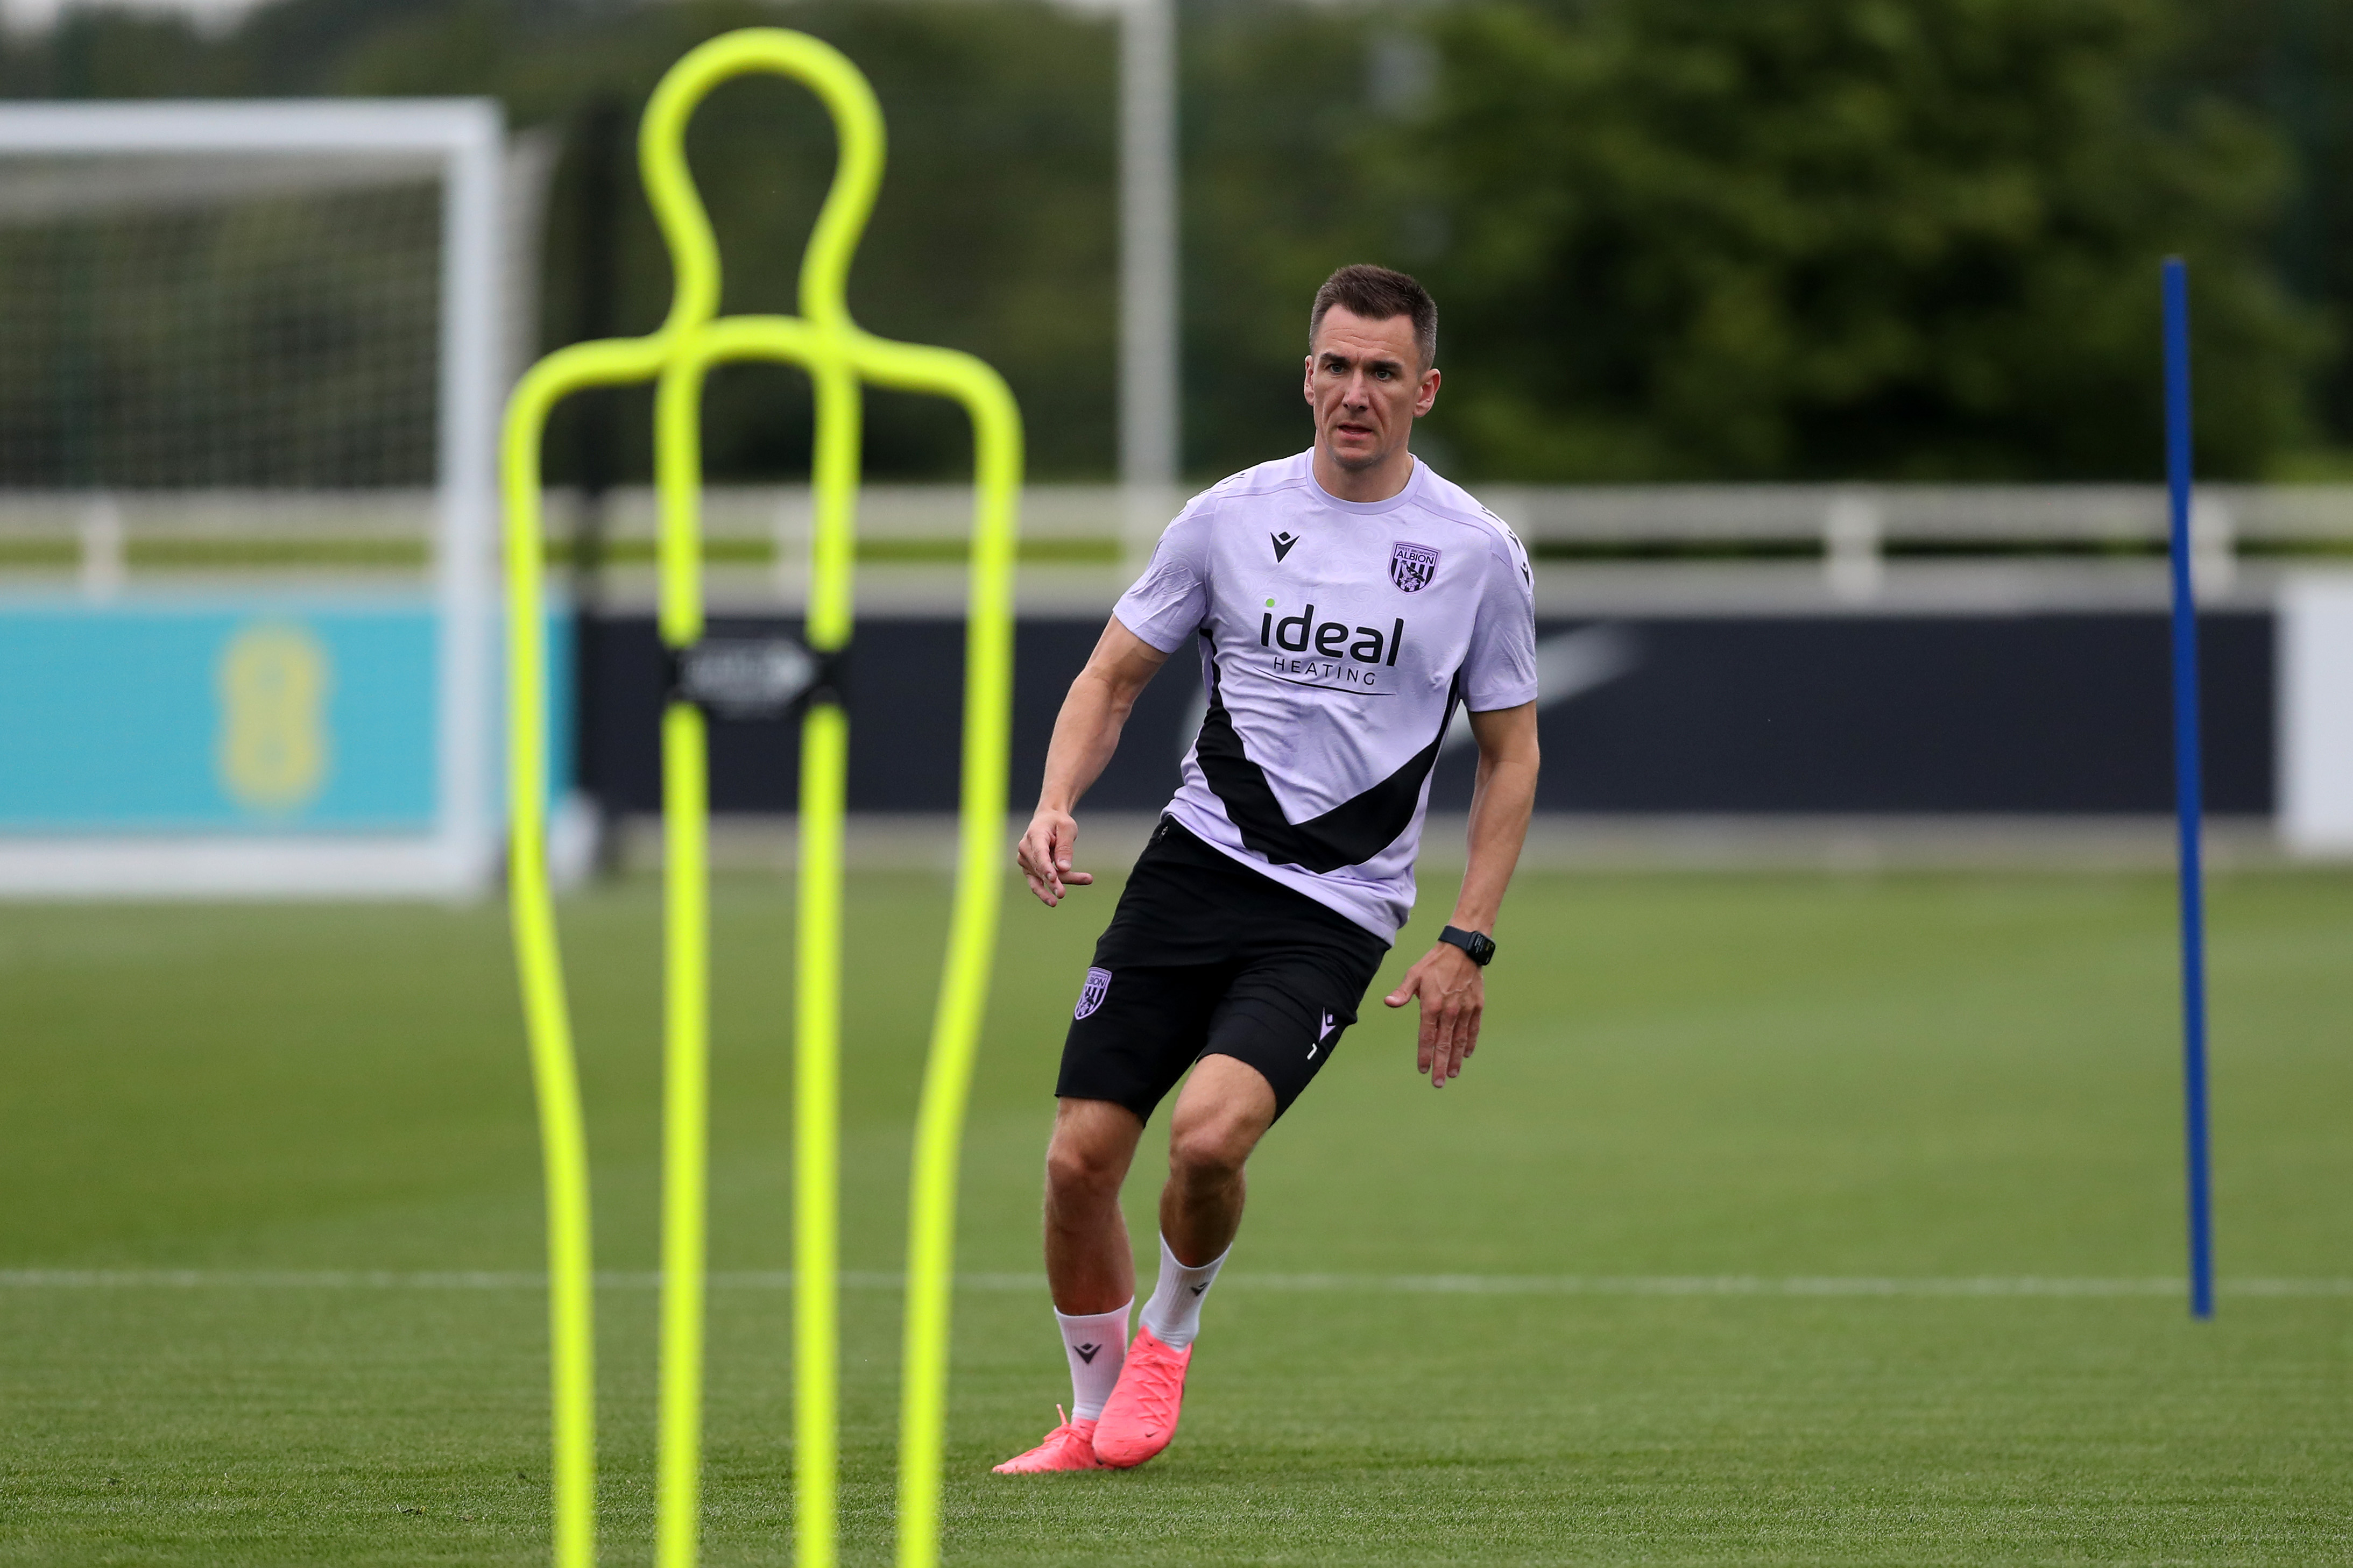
{"type": "Point", "coordinates": [1206, 957]}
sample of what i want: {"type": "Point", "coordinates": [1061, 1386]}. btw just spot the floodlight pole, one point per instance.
{"type": "Point", "coordinates": [1149, 382]}
{"type": "Point", "coordinates": [2187, 789]}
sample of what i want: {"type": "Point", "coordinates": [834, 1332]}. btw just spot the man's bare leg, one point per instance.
{"type": "Point", "coordinates": [1226, 1108]}
{"type": "Point", "coordinates": [1088, 1270]}
{"type": "Point", "coordinates": [1089, 1266]}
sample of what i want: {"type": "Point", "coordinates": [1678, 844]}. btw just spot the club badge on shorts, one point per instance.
{"type": "Point", "coordinates": [1411, 566]}
{"type": "Point", "coordinates": [1092, 994]}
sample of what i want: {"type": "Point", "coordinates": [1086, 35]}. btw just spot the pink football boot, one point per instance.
{"type": "Point", "coordinates": [1141, 1416]}
{"type": "Point", "coordinates": [1070, 1446]}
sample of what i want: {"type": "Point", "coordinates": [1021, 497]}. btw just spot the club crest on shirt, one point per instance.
{"type": "Point", "coordinates": [1092, 994]}
{"type": "Point", "coordinates": [1411, 566]}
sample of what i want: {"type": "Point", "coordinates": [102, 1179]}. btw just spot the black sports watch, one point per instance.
{"type": "Point", "coordinates": [1478, 944]}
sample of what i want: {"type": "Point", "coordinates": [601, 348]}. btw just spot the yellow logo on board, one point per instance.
{"type": "Point", "coordinates": [274, 752]}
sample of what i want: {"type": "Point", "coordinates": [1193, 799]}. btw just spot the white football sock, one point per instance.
{"type": "Point", "coordinates": [1097, 1346]}
{"type": "Point", "coordinates": [1174, 1313]}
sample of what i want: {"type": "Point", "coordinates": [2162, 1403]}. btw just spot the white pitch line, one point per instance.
{"type": "Point", "coordinates": [1762, 1284]}
{"type": "Point", "coordinates": [1376, 1284]}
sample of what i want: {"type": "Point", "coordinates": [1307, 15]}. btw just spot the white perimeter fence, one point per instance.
{"type": "Point", "coordinates": [101, 539]}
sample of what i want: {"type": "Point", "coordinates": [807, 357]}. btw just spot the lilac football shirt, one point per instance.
{"type": "Point", "coordinates": [1336, 638]}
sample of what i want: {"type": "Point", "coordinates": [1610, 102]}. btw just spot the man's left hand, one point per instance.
{"type": "Point", "coordinates": [1453, 993]}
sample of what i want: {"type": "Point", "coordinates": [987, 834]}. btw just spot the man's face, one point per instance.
{"type": "Point", "coordinates": [1366, 384]}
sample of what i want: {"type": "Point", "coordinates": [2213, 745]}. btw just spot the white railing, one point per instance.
{"type": "Point", "coordinates": [1854, 528]}
{"type": "Point", "coordinates": [102, 540]}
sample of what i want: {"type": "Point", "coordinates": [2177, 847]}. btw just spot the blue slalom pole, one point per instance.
{"type": "Point", "coordinates": [2188, 790]}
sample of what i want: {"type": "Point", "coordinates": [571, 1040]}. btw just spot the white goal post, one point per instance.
{"type": "Point", "coordinates": [443, 841]}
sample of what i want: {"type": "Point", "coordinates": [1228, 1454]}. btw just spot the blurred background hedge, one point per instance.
{"type": "Point", "coordinates": [1672, 239]}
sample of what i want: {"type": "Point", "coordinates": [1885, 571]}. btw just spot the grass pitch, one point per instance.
{"type": "Point", "coordinates": [1865, 1083]}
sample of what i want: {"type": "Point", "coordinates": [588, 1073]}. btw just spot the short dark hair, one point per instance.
{"type": "Point", "coordinates": [1378, 294]}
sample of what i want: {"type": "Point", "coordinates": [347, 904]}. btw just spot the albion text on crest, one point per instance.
{"type": "Point", "coordinates": [1092, 994]}
{"type": "Point", "coordinates": [1411, 566]}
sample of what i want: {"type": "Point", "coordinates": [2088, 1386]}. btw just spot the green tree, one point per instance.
{"type": "Point", "coordinates": [1673, 238]}
{"type": "Point", "coordinates": [2291, 63]}
{"type": "Point", "coordinates": [1273, 105]}
{"type": "Point", "coordinates": [1903, 238]}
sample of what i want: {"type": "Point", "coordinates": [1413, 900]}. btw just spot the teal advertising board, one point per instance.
{"type": "Point", "coordinates": [271, 717]}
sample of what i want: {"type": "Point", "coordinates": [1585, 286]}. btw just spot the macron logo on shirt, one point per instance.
{"type": "Point", "coordinates": [1282, 544]}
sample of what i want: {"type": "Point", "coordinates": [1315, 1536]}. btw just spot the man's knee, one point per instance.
{"type": "Point", "coordinates": [1074, 1170]}
{"type": "Point", "coordinates": [1088, 1156]}
{"type": "Point", "coordinates": [1225, 1109]}
{"type": "Point", "coordinates": [1210, 1151]}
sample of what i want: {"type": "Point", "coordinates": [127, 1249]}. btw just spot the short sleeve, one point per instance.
{"type": "Point", "coordinates": [1500, 668]}
{"type": "Point", "coordinates": [1170, 601]}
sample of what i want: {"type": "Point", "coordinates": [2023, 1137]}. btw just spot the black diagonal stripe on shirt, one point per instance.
{"type": "Point", "coordinates": [1348, 834]}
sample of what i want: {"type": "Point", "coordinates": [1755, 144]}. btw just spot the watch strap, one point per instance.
{"type": "Point", "coordinates": [1479, 946]}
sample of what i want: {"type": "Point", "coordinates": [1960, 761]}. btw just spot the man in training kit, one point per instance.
{"type": "Point", "coordinates": [1346, 600]}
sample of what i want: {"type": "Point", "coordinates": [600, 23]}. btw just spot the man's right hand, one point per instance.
{"type": "Point", "coordinates": [1044, 855]}
{"type": "Point", "coordinates": [1085, 734]}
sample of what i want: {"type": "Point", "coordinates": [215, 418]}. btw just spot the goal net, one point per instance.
{"type": "Point", "coordinates": [249, 374]}
{"type": "Point", "coordinates": [254, 322]}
